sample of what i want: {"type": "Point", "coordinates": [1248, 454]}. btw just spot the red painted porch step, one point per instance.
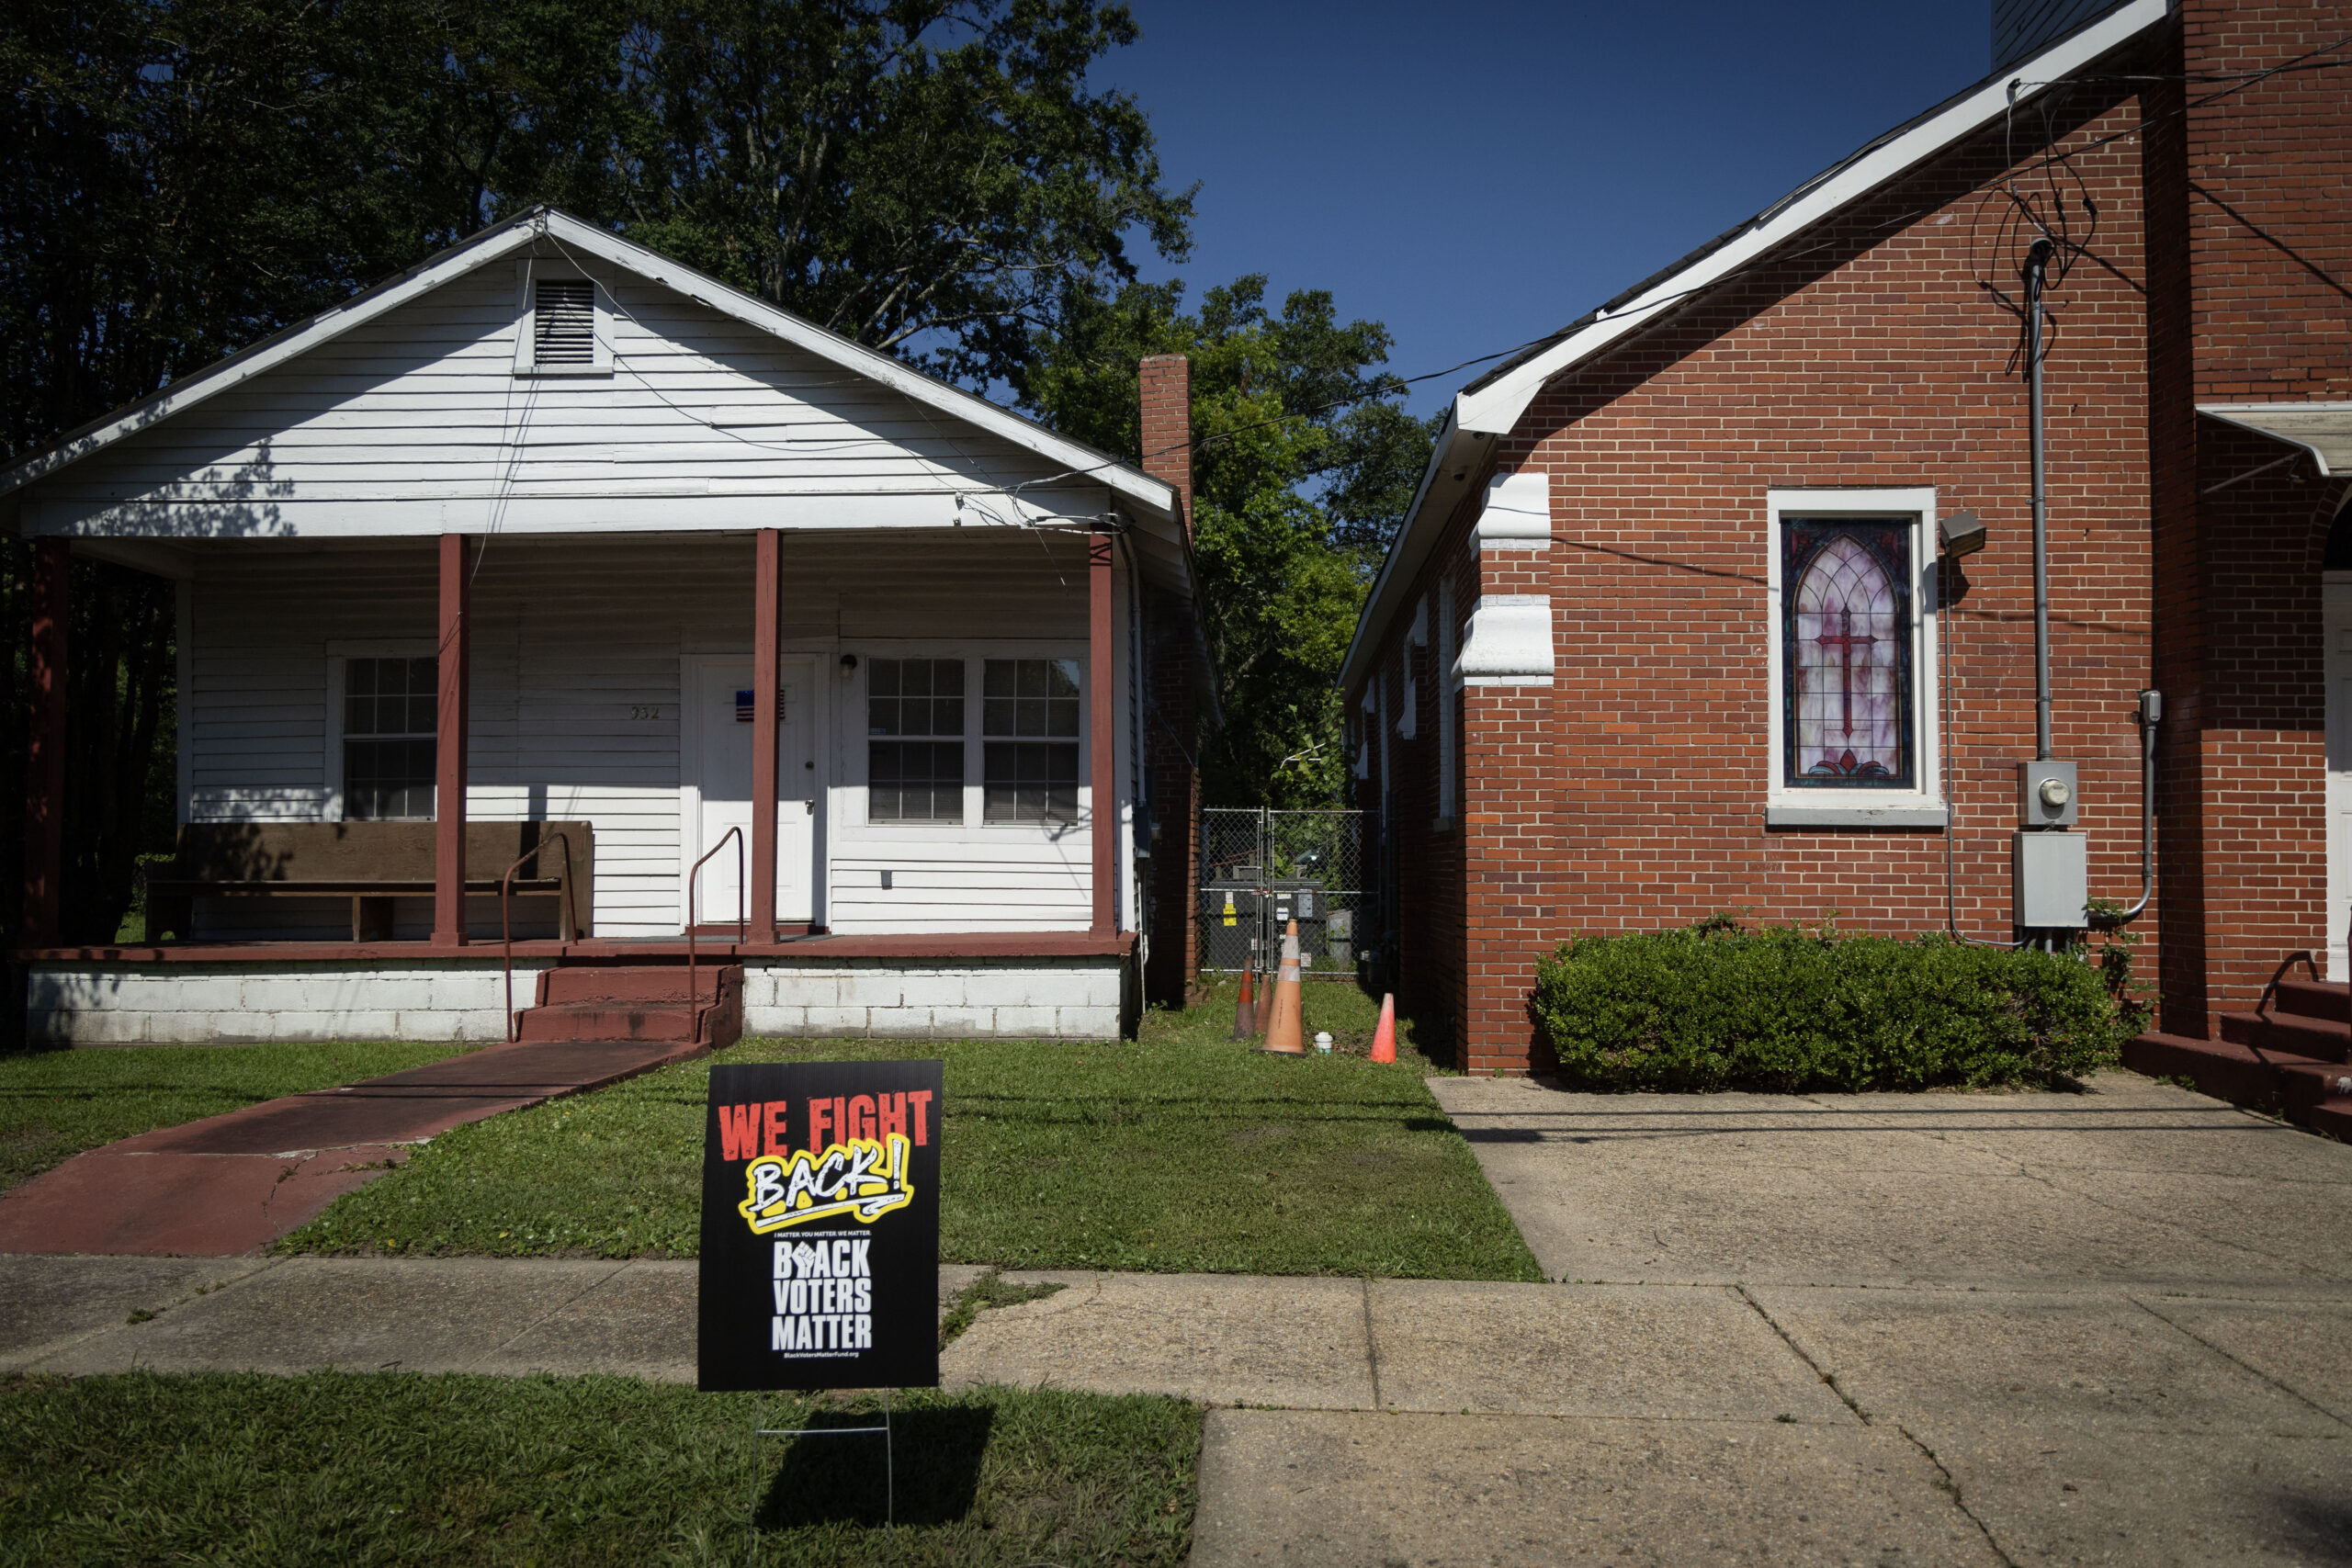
{"type": "Point", "coordinates": [2295, 1057]}
{"type": "Point", "coordinates": [637, 1001]}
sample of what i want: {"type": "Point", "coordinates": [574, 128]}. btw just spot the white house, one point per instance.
{"type": "Point", "coordinates": [553, 531]}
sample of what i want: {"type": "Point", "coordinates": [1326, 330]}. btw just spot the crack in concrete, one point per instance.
{"type": "Point", "coordinates": [1371, 1343]}
{"type": "Point", "coordinates": [2248, 1366]}
{"type": "Point", "coordinates": [549, 1315]}
{"type": "Point", "coordinates": [1951, 1482]}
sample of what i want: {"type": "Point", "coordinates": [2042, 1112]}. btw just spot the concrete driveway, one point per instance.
{"type": "Point", "coordinates": [2107, 1327]}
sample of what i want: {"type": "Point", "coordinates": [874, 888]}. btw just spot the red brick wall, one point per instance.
{"type": "Point", "coordinates": [2246, 212]}
{"type": "Point", "coordinates": [1172, 721]}
{"type": "Point", "coordinates": [1630, 796]}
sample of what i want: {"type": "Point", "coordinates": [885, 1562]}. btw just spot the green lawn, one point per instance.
{"type": "Point", "coordinates": [1182, 1151]}
{"type": "Point", "coordinates": [381, 1468]}
{"type": "Point", "coordinates": [54, 1104]}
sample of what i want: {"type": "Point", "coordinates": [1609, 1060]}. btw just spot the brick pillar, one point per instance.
{"type": "Point", "coordinates": [1165, 384]}
{"type": "Point", "coordinates": [766, 596]}
{"type": "Point", "coordinates": [449, 743]}
{"type": "Point", "coordinates": [45, 748]}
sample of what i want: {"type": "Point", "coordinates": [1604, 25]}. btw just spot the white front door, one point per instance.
{"type": "Point", "coordinates": [798, 790]}
{"type": "Point", "coordinates": [717, 794]}
{"type": "Point", "coordinates": [2336, 599]}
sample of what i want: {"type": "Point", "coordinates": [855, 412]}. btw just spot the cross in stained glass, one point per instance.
{"type": "Point", "coordinates": [1844, 642]}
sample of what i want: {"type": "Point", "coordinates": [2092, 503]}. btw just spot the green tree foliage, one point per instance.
{"type": "Point", "coordinates": [1304, 463]}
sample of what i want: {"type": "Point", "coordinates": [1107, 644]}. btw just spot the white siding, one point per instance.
{"type": "Point", "coordinates": [570, 639]}
{"type": "Point", "coordinates": [416, 423]}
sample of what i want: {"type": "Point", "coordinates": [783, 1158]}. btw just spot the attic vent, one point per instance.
{"type": "Point", "coordinates": [563, 324]}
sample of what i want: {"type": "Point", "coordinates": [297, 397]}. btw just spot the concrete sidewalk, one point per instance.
{"type": "Point", "coordinates": [1450, 1422]}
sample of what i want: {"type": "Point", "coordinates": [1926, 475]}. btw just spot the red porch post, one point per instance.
{"type": "Point", "coordinates": [1101, 774]}
{"type": "Point", "coordinates": [450, 747]}
{"type": "Point", "coordinates": [45, 747]}
{"type": "Point", "coordinates": [766, 597]}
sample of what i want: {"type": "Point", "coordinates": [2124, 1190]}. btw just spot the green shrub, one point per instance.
{"type": "Point", "coordinates": [1716, 1007]}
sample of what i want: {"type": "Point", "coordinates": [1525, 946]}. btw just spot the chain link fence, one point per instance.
{"type": "Point", "coordinates": [1261, 869]}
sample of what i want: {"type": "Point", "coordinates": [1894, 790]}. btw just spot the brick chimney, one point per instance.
{"type": "Point", "coordinates": [1167, 384]}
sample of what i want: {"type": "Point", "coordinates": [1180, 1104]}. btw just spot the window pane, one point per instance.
{"type": "Point", "coordinates": [914, 781]}
{"type": "Point", "coordinates": [388, 780]}
{"type": "Point", "coordinates": [1848, 644]}
{"type": "Point", "coordinates": [1029, 781]}
{"type": "Point", "coordinates": [915, 696]}
{"type": "Point", "coordinates": [389, 696]}
{"type": "Point", "coordinates": [1030, 698]}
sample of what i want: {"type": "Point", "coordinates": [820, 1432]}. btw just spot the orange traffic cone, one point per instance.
{"type": "Point", "coordinates": [1245, 1006]}
{"type": "Point", "coordinates": [1286, 1030]}
{"type": "Point", "coordinates": [1384, 1039]}
{"type": "Point", "coordinates": [1265, 1013]}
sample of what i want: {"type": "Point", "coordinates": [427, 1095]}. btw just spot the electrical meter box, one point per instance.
{"type": "Point", "coordinates": [2050, 874]}
{"type": "Point", "coordinates": [2046, 795]}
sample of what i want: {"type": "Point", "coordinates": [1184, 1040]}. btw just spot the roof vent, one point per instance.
{"type": "Point", "coordinates": [2022, 29]}
{"type": "Point", "coordinates": [564, 323]}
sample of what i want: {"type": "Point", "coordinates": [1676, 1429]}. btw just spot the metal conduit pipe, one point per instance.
{"type": "Point", "coordinates": [2037, 267]}
{"type": "Point", "coordinates": [2150, 714]}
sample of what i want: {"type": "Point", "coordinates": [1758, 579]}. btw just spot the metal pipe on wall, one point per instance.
{"type": "Point", "coordinates": [2037, 266]}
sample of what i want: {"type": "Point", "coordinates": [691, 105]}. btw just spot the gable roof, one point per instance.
{"type": "Point", "coordinates": [1492, 405]}
{"type": "Point", "coordinates": [1149, 495]}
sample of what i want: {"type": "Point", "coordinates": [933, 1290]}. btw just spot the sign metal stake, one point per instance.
{"type": "Point", "coordinates": [890, 1459]}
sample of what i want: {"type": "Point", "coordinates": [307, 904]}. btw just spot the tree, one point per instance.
{"type": "Point", "coordinates": [932, 177]}
{"type": "Point", "coordinates": [1304, 463]}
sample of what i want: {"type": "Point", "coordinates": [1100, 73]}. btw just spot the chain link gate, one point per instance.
{"type": "Point", "coordinates": [1260, 869]}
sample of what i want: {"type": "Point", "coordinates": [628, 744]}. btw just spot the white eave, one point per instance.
{"type": "Point", "coordinates": [1131, 485]}
{"type": "Point", "coordinates": [2323, 430]}
{"type": "Point", "coordinates": [1495, 407]}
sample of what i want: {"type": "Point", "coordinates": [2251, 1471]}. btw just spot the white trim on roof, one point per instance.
{"type": "Point", "coordinates": [2323, 430]}
{"type": "Point", "coordinates": [1496, 408]}
{"type": "Point", "coordinates": [571, 236]}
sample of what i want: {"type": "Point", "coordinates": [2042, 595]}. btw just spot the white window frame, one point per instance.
{"type": "Point", "coordinates": [857, 826]}
{"type": "Point", "coordinates": [1922, 807]}
{"type": "Point", "coordinates": [527, 275]}
{"type": "Point", "coordinates": [338, 652]}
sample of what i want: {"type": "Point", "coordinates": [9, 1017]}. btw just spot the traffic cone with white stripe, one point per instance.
{"type": "Point", "coordinates": [1286, 1030]}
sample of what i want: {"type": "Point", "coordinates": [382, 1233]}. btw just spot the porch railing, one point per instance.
{"type": "Point", "coordinates": [742, 916]}
{"type": "Point", "coordinates": [506, 917]}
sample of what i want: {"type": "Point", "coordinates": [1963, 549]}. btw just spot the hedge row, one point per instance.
{"type": "Point", "coordinates": [1715, 1007]}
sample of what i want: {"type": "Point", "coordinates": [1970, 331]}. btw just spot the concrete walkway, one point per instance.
{"type": "Point", "coordinates": [236, 1182]}
{"type": "Point", "coordinates": [1968, 1329]}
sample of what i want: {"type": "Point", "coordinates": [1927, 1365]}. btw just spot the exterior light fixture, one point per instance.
{"type": "Point", "coordinates": [1963, 534]}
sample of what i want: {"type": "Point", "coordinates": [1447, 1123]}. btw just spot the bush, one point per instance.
{"type": "Point", "coordinates": [1716, 1007]}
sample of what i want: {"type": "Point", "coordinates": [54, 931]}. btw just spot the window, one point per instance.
{"type": "Point", "coordinates": [1031, 772]}
{"type": "Point", "coordinates": [387, 739]}
{"type": "Point", "coordinates": [1853, 660]}
{"type": "Point", "coordinates": [1846, 643]}
{"type": "Point", "coordinates": [912, 773]}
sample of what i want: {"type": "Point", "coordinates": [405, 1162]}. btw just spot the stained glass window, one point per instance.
{"type": "Point", "coordinates": [1846, 646]}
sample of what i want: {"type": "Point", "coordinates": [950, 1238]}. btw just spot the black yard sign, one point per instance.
{"type": "Point", "coordinates": [820, 1227]}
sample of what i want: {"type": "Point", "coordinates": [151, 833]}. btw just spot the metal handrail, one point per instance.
{"type": "Point", "coordinates": [506, 921]}
{"type": "Point", "coordinates": [742, 915]}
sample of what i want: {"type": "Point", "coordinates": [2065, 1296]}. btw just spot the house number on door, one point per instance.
{"type": "Point", "coordinates": [642, 713]}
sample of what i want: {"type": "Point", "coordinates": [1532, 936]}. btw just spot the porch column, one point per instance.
{"type": "Point", "coordinates": [45, 744]}
{"type": "Point", "coordinates": [449, 745]}
{"type": "Point", "coordinates": [766, 597]}
{"type": "Point", "coordinates": [1101, 774]}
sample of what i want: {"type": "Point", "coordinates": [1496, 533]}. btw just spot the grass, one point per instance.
{"type": "Point", "coordinates": [380, 1467]}
{"type": "Point", "coordinates": [54, 1104]}
{"type": "Point", "coordinates": [1182, 1151]}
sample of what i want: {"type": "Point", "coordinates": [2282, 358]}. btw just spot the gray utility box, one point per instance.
{"type": "Point", "coordinates": [2050, 874]}
{"type": "Point", "coordinates": [1302, 900]}
{"type": "Point", "coordinates": [2047, 795]}
{"type": "Point", "coordinates": [1233, 908]}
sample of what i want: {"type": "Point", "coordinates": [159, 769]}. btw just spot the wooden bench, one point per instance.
{"type": "Point", "coordinates": [369, 863]}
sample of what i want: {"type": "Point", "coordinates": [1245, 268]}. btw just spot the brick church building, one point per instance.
{"type": "Point", "coordinates": [1679, 622]}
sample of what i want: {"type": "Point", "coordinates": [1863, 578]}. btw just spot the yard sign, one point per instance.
{"type": "Point", "coordinates": [820, 1227]}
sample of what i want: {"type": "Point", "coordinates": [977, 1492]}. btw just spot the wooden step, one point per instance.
{"type": "Point", "coordinates": [655, 983]}
{"type": "Point", "coordinates": [2297, 1035]}
{"type": "Point", "coordinates": [2223, 1068]}
{"type": "Point", "coordinates": [2333, 1117]}
{"type": "Point", "coordinates": [637, 1001]}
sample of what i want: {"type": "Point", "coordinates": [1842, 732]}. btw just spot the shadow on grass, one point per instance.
{"type": "Point", "coordinates": [934, 1468]}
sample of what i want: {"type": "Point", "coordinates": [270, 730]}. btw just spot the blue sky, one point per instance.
{"type": "Point", "coordinates": [1476, 176]}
